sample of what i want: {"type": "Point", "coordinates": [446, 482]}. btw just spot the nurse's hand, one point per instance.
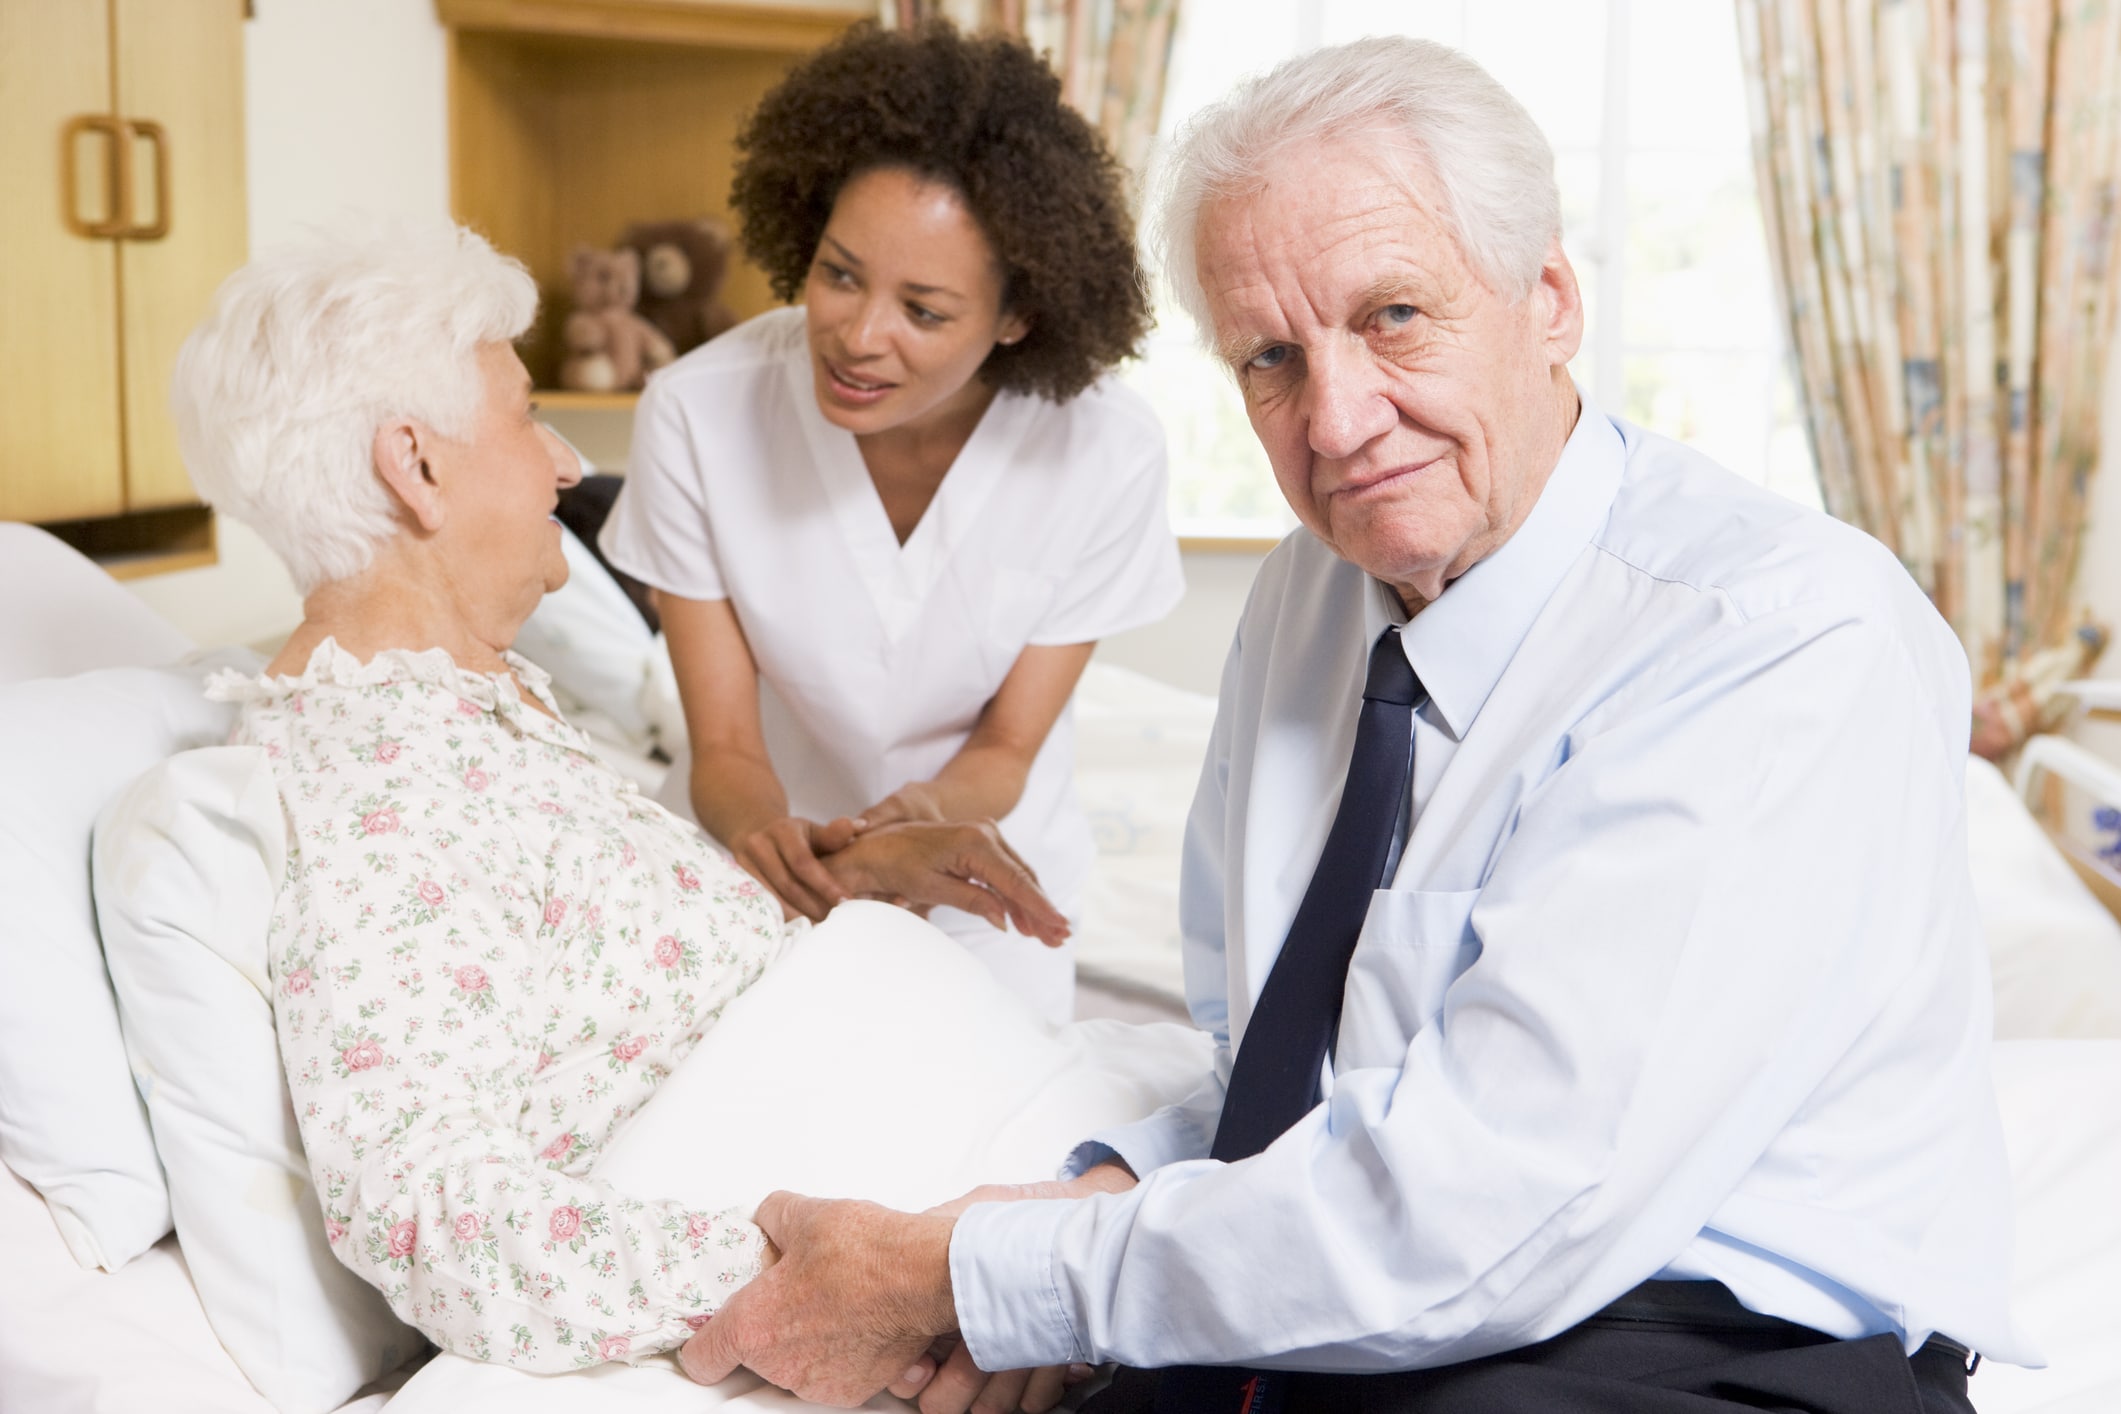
{"type": "Point", "coordinates": [957, 864]}
{"type": "Point", "coordinates": [783, 855]}
{"type": "Point", "coordinates": [916, 800]}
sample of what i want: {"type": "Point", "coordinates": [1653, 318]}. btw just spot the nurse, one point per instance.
{"type": "Point", "coordinates": [886, 527]}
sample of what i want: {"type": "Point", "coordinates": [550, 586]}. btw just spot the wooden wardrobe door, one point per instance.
{"type": "Point", "coordinates": [179, 66]}
{"type": "Point", "coordinates": [60, 449]}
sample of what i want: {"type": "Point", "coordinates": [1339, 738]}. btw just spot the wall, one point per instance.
{"type": "Point", "coordinates": [1186, 648]}
{"type": "Point", "coordinates": [345, 112]}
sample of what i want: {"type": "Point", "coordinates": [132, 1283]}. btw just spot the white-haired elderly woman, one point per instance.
{"type": "Point", "coordinates": [489, 947]}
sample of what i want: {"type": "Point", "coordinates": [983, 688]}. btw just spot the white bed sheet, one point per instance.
{"type": "Point", "coordinates": [75, 1341]}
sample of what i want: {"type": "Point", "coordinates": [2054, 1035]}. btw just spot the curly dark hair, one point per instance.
{"type": "Point", "coordinates": [983, 115]}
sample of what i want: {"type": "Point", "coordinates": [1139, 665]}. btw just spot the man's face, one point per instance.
{"type": "Point", "coordinates": [1411, 413]}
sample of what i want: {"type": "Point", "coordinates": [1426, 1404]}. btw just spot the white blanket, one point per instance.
{"type": "Point", "coordinates": [876, 1060]}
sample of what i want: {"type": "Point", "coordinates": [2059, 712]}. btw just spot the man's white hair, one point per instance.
{"type": "Point", "coordinates": [308, 350]}
{"type": "Point", "coordinates": [1492, 166]}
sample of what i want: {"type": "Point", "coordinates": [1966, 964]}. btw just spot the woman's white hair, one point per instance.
{"type": "Point", "coordinates": [1491, 164]}
{"type": "Point", "coordinates": [308, 350]}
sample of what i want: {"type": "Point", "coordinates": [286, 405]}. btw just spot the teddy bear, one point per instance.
{"type": "Point", "coordinates": [607, 347]}
{"type": "Point", "coordinates": [683, 264]}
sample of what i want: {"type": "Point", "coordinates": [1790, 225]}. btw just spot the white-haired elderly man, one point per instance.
{"type": "Point", "coordinates": [1576, 883]}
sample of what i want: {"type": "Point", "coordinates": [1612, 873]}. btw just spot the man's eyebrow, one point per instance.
{"type": "Point", "coordinates": [1239, 352]}
{"type": "Point", "coordinates": [1392, 289]}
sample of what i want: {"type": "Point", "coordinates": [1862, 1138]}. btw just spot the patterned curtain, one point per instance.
{"type": "Point", "coordinates": [1111, 54]}
{"type": "Point", "coordinates": [1941, 181]}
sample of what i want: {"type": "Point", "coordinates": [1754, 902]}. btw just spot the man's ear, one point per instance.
{"type": "Point", "coordinates": [1558, 300]}
{"type": "Point", "coordinates": [400, 454]}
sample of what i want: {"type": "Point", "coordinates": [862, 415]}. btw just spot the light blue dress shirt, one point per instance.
{"type": "Point", "coordinates": [1678, 974]}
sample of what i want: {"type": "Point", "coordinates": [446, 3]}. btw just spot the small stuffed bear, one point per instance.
{"type": "Point", "coordinates": [608, 347]}
{"type": "Point", "coordinates": [683, 264]}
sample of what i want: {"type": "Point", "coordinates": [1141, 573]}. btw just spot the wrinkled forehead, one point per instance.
{"type": "Point", "coordinates": [1321, 219]}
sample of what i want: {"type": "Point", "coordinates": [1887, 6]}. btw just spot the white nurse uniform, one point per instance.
{"type": "Point", "coordinates": [876, 658]}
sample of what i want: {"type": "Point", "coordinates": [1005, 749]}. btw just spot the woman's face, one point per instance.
{"type": "Point", "coordinates": [502, 484]}
{"type": "Point", "coordinates": [903, 304]}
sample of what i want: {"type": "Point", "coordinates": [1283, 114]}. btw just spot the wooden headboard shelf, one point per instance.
{"type": "Point", "coordinates": [571, 119]}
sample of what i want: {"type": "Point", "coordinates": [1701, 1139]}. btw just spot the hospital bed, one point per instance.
{"type": "Point", "coordinates": [77, 1339]}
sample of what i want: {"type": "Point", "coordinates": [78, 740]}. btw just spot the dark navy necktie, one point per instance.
{"type": "Point", "coordinates": [1274, 1080]}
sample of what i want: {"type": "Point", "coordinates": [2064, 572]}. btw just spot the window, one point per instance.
{"type": "Point", "coordinates": [1644, 102]}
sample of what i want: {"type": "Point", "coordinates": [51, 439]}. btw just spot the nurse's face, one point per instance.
{"type": "Point", "coordinates": [904, 303]}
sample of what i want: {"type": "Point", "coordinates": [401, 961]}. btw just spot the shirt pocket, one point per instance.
{"type": "Point", "coordinates": [1415, 943]}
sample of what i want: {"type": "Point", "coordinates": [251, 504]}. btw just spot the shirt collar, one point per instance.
{"type": "Point", "coordinates": [1460, 644]}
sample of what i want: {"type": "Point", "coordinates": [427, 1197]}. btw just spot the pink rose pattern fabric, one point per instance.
{"type": "Point", "coordinates": [488, 951]}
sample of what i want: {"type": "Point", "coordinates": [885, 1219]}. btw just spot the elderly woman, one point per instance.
{"type": "Point", "coordinates": [488, 948]}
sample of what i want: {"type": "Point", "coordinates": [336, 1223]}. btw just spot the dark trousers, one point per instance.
{"type": "Point", "coordinates": [1667, 1347]}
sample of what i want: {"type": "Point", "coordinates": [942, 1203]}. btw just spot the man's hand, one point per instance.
{"type": "Point", "coordinates": [946, 1381]}
{"type": "Point", "coordinates": [854, 1304]}
{"type": "Point", "coordinates": [962, 864]}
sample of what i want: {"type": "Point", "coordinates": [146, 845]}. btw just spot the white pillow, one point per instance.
{"type": "Point", "coordinates": [70, 1122]}
{"type": "Point", "coordinates": [2055, 953]}
{"type": "Point", "coordinates": [187, 864]}
{"type": "Point", "coordinates": [810, 1082]}
{"type": "Point", "coordinates": [83, 618]}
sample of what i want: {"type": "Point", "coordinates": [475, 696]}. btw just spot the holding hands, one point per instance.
{"type": "Point", "coordinates": [916, 860]}
{"type": "Point", "coordinates": [860, 1301]}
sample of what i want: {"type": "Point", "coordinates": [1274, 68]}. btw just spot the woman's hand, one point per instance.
{"type": "Point", "coordinates": [783, 855]}
{"type": "Point", "coordinates": [914, 801]}
{"type": "Point", "coordinates": [945, 1381]}
{"type": "Point", "coordinates": [960, 864]}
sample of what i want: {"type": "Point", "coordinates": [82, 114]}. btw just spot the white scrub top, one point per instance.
{"type": "Point", "coordinates": [875, 658]}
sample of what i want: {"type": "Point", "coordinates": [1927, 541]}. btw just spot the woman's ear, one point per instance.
{"type": "Point", "coordinates": [1014, 327]}
{"type": "Point", "coordinates": [400, 455]}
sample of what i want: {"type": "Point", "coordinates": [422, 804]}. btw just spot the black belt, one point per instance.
{"type": "Point", "coordinates": [1685, 1307]}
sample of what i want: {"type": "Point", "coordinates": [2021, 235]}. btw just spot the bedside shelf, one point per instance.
{"type": "Point", "coordinates": [572, 400]}
{"type": "Point", "coordinates": [571, 119]}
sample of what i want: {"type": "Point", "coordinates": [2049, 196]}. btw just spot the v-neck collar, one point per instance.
{"type": "Point", "coordinates": [899, 577]}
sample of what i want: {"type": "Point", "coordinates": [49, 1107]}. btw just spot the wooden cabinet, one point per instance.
{"type": "Point", "coordinates": [121, 153]}
{"type": "Point", "coordinates": [570, 119]}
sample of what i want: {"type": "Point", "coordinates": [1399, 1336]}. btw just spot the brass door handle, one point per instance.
{"type": "Point", "coordinates": [154, 133]}
{"type": "Point", "coordinates": [117, 176]}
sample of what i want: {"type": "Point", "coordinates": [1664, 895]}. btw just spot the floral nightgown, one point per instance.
{"type": "Point", "coordinates": [487, 951]}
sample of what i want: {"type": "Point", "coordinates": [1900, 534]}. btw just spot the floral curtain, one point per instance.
{"type": "Point", "coordinates": [1111, 54]}
{"type": "Point", "coordinates": [1941, 181]}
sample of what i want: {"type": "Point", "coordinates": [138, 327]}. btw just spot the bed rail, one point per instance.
{"type": "Point", "coordinates": [2088, 833]}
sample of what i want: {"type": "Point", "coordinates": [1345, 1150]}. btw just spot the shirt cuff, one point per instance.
{"type": "Point", "coordinates": [1010, 1309]}
{"type": "Point", "coordinates": [1166, 1137]}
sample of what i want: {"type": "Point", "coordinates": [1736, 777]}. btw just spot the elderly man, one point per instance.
{"type": "Point", "coordinates": [1577, 884]}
